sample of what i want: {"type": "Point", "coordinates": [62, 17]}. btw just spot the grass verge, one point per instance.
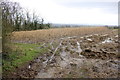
{"type": "Point", "coordinates": [21, 54]}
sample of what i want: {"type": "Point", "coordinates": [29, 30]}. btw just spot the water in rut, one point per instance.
{"type": "Point", "coordinates": [87, 56]}
{"type": "Point", "coordinates": [70, 59]}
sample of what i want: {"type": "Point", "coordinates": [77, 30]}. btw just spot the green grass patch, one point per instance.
{"type": "Point", "coordinates": [21, 55]}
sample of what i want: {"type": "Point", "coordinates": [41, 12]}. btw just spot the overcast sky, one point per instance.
{"type": "Point", "coordinates": [104, 12]}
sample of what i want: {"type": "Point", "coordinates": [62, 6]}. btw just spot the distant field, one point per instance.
{"type": "Point", "coordinates": [37, 36]}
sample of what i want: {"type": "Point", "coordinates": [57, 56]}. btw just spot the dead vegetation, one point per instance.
{"type": "Point", "coordinates": [37, 36]}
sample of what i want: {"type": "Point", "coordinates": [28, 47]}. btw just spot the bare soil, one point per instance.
{"type": "Point", "coordinates": [87, 56]}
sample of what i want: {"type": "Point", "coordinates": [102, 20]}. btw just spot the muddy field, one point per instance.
{"type": "Point", "coordinates": [93, 54]}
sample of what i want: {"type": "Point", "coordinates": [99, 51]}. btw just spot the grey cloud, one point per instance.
{"type": "Point", "coordinates": [109, 7]}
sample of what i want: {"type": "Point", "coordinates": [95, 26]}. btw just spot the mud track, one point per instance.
{"type": "Point", "coordinates": [90, 56]}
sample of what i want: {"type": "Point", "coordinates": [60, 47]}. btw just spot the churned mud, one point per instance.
{"type": "Point", "coordinates": [91, 56]}
{"type": "Point", "coordinates": [88, 56]}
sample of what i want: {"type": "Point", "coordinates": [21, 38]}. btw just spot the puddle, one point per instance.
{"type": "Point", "coordinates": [104, 35]}
{"type": "Point", "coordinates": [72, 37]}
{"type": "Point", "coordinates": [89, 39]}
{"type": "Point", "coordinates": [79, 48]}
{"type": "Point", "coordinates": [46, 74]}
{"type": "Point", "coordinates": [65, 62]}
{"type": "Point", "coordinates": [109, 40]}
{"type": "Point", "coordinates": [96, 34]}
{"type": "Point", "coordinates": [116, 36]}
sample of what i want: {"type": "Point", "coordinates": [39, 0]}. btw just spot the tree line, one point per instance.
{"type": "Point", "coordinates": [15, 18]}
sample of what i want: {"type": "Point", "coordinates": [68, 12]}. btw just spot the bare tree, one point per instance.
{"type": "Point", "coordinates": [11, 20]}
